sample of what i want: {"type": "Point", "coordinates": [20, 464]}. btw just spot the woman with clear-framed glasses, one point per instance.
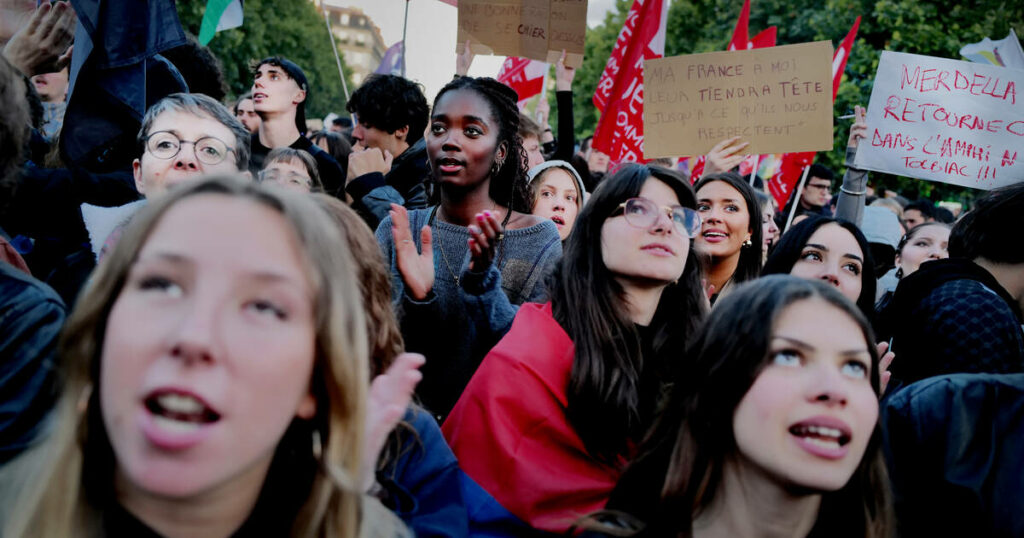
{"type": "Point", "coordinates": [292, 169]}
{"type": "Point", "coordinates": [552, 416]}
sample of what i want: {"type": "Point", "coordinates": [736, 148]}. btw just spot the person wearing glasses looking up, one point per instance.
{"type": "Point", "coordinates": [184, 136]}
{"type": "Point", "coordinates": [552, 416]}
{"type": "Point", "coordinates": [815, 196]}
{"type": "Point", "coordinates": [292, 169]}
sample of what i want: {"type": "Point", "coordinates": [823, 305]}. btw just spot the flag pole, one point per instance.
{"type": "Point", "coordinates": [796, 202]}
{"type": "Point", "coordinates": [334, 49]}
{"type": "Point", "coordinates": [405, 25]}
{"type": "Point", "coordinates": [753, 170]}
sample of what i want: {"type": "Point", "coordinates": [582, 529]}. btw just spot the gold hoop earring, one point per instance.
{"type": "Point", "coordinates": [747, 243]}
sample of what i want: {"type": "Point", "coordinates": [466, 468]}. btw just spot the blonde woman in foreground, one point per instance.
{"type": "Point", "coordinates": [215, 382]}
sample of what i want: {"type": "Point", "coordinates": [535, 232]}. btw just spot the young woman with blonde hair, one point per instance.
{"type": "Point", "coordinates": [215, 382]}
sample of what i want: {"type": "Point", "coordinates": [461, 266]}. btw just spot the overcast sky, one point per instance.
{"type": "Point", "coordinates": [431, 37]}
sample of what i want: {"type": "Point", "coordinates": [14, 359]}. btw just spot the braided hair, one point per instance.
{"type": "Point", "coordinates": [508, 178]}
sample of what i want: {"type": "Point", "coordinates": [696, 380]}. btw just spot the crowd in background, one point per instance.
{"type": "Point", "coordinates": [439, 317]}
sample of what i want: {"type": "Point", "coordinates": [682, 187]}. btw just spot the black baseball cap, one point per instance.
{"type": "Point", "coordinates": [295, 73]}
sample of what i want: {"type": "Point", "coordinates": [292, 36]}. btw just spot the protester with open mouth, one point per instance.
{"type": "Point", "coordinates": [216, 381]}
{"type": "Point", "coordinates": [557, 193]}
{"type": "Point", "coordinates": [555, 410]}
{"type": "Point", "coordinates": [731, 230]}
{"type": "Point", "coordinates": [461, 267]}
{"type": "Point", "coordinates": [777, 427]}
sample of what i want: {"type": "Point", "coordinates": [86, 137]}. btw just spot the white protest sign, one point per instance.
{"type": "Point", "coordinates": [945, 120]}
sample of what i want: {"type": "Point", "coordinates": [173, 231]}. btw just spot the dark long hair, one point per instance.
{"type": "Point", "coordinates": [749, 266]}
{"type": "Point", "coordinates": [604, 400]}
{"type": "Point", "coordinates": [680, 467]}
{"type": "Point", "coordinates": [508, 182]}
{"type": "Point", "coordinates": [787, 253]}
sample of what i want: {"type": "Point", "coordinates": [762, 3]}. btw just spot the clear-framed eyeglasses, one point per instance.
{"type": "Point", "coordinates": [643, 213]}
{"type": "Point", "coordinates": [286, 178]}
{"type": "Point", "coordinates": [166, 145]}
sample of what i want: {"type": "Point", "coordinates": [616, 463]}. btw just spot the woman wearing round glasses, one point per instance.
{"type": "Point", "coordinates": [551, 417]}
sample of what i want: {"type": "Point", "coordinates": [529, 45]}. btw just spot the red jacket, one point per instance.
{"type": "Point", "coordinates": [511, 435]}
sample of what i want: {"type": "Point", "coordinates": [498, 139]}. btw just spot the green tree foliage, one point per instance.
{"type": "Point", "coordinates": [290, 28]}
{"type": "Point", "coordinates": [928, 27]}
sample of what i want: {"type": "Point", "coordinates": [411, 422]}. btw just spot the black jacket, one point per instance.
{"type": "Point", "coordinates": [952, 316]}
{"type": "Point", "coordinates": [31, 317]}
{"type": "Point", "coordinates": [953, 446]}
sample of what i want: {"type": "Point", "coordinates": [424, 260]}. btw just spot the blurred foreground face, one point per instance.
{"type": "Point", "coordinates": [208, 350]}
{"type": "Point", "coordinates": [806, 421]}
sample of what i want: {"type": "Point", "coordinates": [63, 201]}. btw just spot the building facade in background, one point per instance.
{"type": "Point", "coordinates": [358, 39]}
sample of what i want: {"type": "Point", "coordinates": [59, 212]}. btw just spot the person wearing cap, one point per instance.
{"type": "Point", "coordinates": [556, 193]}
{"type": "Point", "coordinates": [279, 93]}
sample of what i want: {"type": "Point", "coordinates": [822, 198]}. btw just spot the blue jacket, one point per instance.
{"type": "Point", "coordinates": [425, 487]}
{"type": "Point", "coordinates": [31, 317]}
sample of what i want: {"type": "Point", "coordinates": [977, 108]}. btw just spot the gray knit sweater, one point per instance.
{"type": "Point", "coordinates": [455, 326]}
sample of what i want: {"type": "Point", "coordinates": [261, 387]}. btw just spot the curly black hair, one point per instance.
{"type": "Point", "coordinates": [508, 184]}
{"type": "Point", "coordinates": [390, 102]}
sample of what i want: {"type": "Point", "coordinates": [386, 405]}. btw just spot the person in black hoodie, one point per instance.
{"type": "Point", "coordinates": [963, 315]}
{"type": "Point", "coordinates": [388, 163]}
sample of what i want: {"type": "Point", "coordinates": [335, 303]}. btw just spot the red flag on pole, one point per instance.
{"type": "Point", "coordinates": [739, 34]}
{"type": "Point", "coordinates": [523, 75]}
{"type": "Point", "coordinates": [782, 182]}
{"type": "Point", "coordinates": [620, 130]}
{"type": "Point", "coordinates": [842, 54]}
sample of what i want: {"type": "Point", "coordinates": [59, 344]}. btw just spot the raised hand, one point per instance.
{"type": "Point", "coordinates": [725, 156]}
{"type": "Point", "coordinates": [563, 74]}
{"type": "Point", "coordinates": [859, 129]}
{"type": "Point", "coordinates": [44, 44]}
{"type": "Point", "coordinates": [390, 394]}
{"type": "Point", "coordinates": [463, 60]}
{"type": "Point", "coordinates": [483, 241]}
{"type": "Point", "coordinates": [417, 269]}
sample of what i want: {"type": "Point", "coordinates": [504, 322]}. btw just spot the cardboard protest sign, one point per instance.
{"type": "Point", "coordinates": [945, 120]}
{"type": "Point", "coordinates": [779, 99]}
{"type": "Point", "coordinates": [535, 29]}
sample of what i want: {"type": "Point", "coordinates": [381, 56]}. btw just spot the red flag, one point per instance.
{"type": "Point", "coordinates": [739, 35]}
{"type": "Point", "coordinates": [620, 131]}
{"type": "Point", "coordinates": [781, 184]}
{"type": "Point", "coordinates": [523, 75]}
{"type": "Point", "coordinates": [842, 54]}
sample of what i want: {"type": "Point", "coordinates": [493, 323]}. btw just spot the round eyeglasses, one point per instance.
{"type": "Point", "coordinates": [290, 178]}
{"type": "Point", "coordinates": [166, 145]}
{"type": "Point", "coordinates": [643, 213]}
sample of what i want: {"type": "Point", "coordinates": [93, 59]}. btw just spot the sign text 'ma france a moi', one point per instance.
{"type": "Point", "coordinates": [779, 99]}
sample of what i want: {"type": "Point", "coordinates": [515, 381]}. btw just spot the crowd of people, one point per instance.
{"type": "Point", "coordinates": [441, 319]}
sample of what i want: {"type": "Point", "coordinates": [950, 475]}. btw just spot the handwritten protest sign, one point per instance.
{"type": "Point", "coordinates": [535, 29]}
{"type": "Point", "coordinates": [945, 120]}
{"type": "Point", "coordinates": [779, 99]}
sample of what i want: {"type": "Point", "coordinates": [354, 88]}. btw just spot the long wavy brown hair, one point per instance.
{"type": "Point", "coordinates": [77, 457]}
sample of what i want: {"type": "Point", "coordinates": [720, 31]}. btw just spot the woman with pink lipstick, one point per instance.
{"type": "Point", "coordinates": [555, 410]}
{"type": "Point", "coordinates": [731, 230]}
{"type": "Point", "coordinates": [216, 382]}
{"type": "Point", "coordinates": [774, 434]}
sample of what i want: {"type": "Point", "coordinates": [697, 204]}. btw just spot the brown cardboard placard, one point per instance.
{"type": "Point", "coordinates": [535, 29]}
{"type": "Point", "coordinates": [778, 98]}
